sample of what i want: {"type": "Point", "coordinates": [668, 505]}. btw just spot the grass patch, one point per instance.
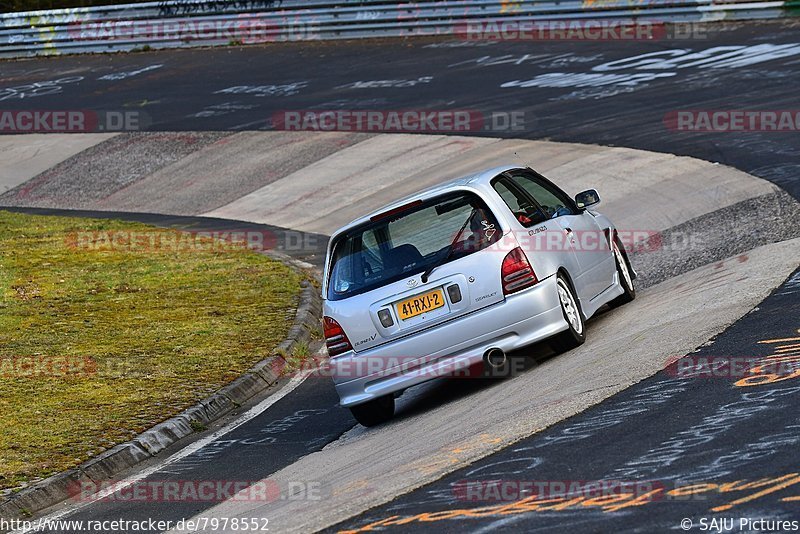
{"type": "Point", "coordinates": [98, 345]}
{"type": "Point", "coordinates": [294, 361]}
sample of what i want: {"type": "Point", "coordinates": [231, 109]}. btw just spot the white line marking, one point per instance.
{"type": "Point", "coordinates": [246, 124]}
{"type": "Point", "coordinates": [253, 412]}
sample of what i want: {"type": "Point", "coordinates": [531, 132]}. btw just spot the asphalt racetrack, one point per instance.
{"type": "Point", "coordinates": [675, 443]}
{"type": "Point", "coordinates": [610, 93]}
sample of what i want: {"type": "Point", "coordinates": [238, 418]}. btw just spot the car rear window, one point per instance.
{"type": "Point", "coordinates": [409, 241]}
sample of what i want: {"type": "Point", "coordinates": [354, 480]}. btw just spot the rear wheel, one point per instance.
{"type": "Point", "coordinates": [374, 412]}
{"type": "Point", "coordinates": [625, 278]}
{"type": "Point", "coordinates": [575, 334]}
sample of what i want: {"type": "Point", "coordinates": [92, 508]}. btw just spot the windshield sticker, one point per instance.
{"type": "Point", "coordinates": [488, 229]}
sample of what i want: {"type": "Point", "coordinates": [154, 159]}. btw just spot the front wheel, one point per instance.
{"type": "Point", "coordinates": [625, 278]}
{"type": "Point", "coordinates": [374, 412]}
{"type": "Point", "coordinates": [575, 334]}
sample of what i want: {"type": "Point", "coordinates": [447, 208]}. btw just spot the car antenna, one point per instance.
{"type": "Point", "coordinates": [527, 166]}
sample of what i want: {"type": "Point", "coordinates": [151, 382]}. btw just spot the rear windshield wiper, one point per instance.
{"type": "Point", "coordinates": [450, 250]}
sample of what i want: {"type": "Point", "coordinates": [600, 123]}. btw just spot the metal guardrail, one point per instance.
{"type": "Point", "coordinates": [188, 23]}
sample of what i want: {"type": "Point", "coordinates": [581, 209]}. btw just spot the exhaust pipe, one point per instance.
{"type": "Point", "coordinates": [494, 358]}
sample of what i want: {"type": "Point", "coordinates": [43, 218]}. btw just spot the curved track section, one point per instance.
{"type": "Point", "coordinates": [365, 468]}
{"type": "Point", "coordinates": [316, 182]}
{"type": "Point", "coordinates": [315, 441]}
{"type": "Point", "coordinates": [669, 452]}
{"type": "Point", "coordinates": [742, 230]}
{"type": "Point", "coordinates": [605, 92]}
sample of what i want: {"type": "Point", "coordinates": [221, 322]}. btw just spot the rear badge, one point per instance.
{"type": "Point", "coordinates": [412, 282]}
{"type": "Point", "coordinates": [371, 338]}
{"type": "Point", "coordinates": [471, 279]}
{"type": "Point", "coordinates": [537, 230]}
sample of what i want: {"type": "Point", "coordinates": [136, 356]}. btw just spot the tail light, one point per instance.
{"type": "Point", "coordinates": [335, 338]}
{"type": "Point", "coordinates": [516, 272]}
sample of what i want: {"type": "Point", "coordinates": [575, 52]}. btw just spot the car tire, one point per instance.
{"type": "Point", "coordinates": [575, 334]}
{"type": "Point", "coordinates": [625, 276]}
{"type": "Point", "coordinates": [374, 412]}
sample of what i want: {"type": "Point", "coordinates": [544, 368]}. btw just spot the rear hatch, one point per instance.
{"type": "Point", "coordinates": [415, 267]}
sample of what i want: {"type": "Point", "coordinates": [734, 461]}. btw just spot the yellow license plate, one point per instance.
{"type": "Point", "coordinates": [420, 304]}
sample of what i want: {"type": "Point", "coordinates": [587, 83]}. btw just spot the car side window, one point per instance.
{"type": "Point", "coordinates": [553, 201]}
{"type": "Point", "coordinates": [510, 198]}
{"type": "Point", "coordinates": [526, 213]}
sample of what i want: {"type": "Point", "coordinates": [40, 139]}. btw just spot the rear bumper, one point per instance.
{"type": "Point", "coordinates": [450, 348]}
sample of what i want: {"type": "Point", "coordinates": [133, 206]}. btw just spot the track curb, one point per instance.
{"type": "Point", "coordinates": [261, 376]}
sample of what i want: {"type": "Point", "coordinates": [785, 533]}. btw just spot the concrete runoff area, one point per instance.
{"type": "Point", "coordinates": [221, 173]}
{"type": "Point", "coordinates": [640, 190]}
{"type": "Point", "coordinates": [339, 188]}
{"type": "Point", "coordinates": [666, 189]}
{"type": "Point", "coordinates": [25, 156]}
{"type": "Point", "coordinates": [85, 180]}
{"type": "Point", "coordinates": [318, 181]}
{"type": "Point", "coordinates": [366, 468]}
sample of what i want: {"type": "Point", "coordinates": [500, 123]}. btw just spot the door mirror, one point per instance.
{"type": "Point", "coordinates": [587, 198]}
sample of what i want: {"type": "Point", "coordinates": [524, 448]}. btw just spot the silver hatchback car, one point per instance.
{"type": "Point", "coordinates": [459, 274]}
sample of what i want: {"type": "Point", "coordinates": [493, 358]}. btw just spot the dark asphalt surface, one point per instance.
{"type": "Point", "coordinates": [592, 92]}
{"type": "Point", "coordinates": [674, 430]}
{"type": "Point", "coordinates": [714, 431]}
{"type": "Point", "coordinates": [270, 441]}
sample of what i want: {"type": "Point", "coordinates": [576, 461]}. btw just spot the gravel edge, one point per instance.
{"type": "Point", "coordinates": [261, 376]}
